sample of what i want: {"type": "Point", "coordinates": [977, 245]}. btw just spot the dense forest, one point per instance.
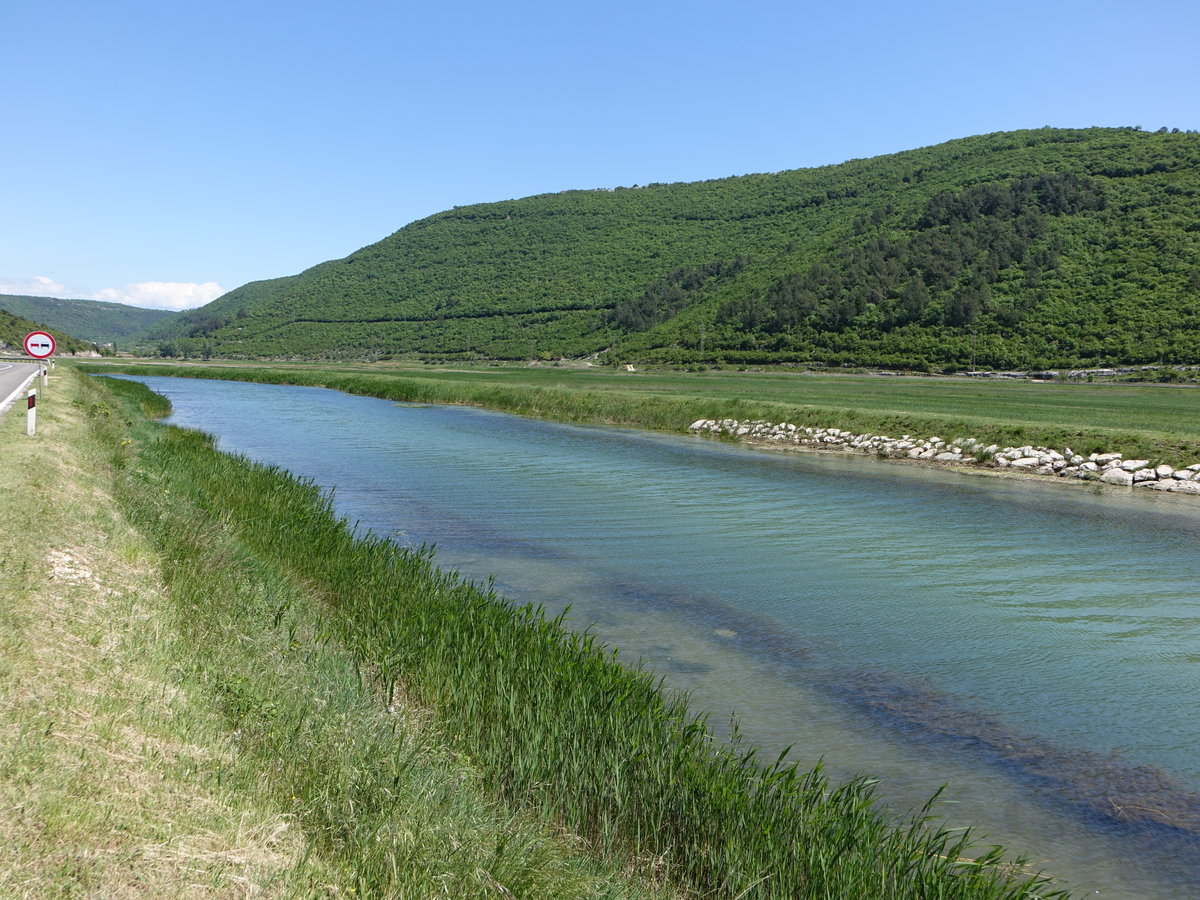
{"type": "Point", "coordinates": [92, 320]}
{"type": "Point", "coordinates": [14, 328]}
{"type": "Point", "coordinates": [1027, 249]}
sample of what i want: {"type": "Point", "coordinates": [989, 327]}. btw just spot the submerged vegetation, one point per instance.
{"type": "Point", "coordinates": [1027, 249]}
{"type": "Point", "coordinates": [322, 647]}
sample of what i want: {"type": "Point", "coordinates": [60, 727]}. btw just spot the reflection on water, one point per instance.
{"type": "Point", "coordinates": [1036, 647]}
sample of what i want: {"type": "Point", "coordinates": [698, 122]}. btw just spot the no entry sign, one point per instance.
{"type": "Point", "coordinates": [39, 344]}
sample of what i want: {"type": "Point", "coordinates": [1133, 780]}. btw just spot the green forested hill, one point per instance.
{"type": "Point", "coordinates": [14, 328]}
{"type": "Point", "coordinates": [92, 320]}
{"type": "Point", "coordinates": [1035, 248]}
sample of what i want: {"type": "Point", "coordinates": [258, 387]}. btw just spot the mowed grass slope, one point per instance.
{"type": "Point", "coordinates": [177, 721]}
{"type": "Point", "coordinates": [116, 779]}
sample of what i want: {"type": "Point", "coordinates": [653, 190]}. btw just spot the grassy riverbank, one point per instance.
{"type": "Point", "coordinates": [118, 778]}
{"type": "Point", "coordinates": [179, 719]}
{"type": "Point", "coordinates": [1156, 422]}
{"type": "Point", "coordinates": [416, 736]}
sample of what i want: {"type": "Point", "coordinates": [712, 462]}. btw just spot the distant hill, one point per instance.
{"type": "Point", "coordinates": [14, 328]}
{"type": "Point", "coordinates": [1037, 248]}
{"type": "Point", "coordinates": [91, 320]}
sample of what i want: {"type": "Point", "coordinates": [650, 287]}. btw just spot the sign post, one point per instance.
{"type": "Point", "coordinates": [39, 345]}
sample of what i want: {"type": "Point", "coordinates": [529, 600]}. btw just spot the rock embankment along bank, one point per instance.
{"type": "Point", "coordinates": [1109, 468]}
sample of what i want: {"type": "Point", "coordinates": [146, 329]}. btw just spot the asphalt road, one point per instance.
{"type": "Point", "coordinates": [12, 375]}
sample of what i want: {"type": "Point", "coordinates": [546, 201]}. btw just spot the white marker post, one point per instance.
{"type": "Point", "coordinates": [31, 418]}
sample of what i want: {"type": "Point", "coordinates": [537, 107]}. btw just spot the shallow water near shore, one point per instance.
{"type": "Point", "coordinates": [1035, 646]}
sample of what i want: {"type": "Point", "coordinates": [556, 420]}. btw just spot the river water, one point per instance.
{"type": "Point", "coordinates": [1034, 647]}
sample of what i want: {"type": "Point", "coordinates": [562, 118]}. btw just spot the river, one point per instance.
{"type": "Point", "coordinates": [1036, 647]}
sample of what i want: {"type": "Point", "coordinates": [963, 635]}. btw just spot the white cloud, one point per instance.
{"type": "Point", "coordinates": [39, 286]}
{"type": "Point", "coordinates": [174, 295]}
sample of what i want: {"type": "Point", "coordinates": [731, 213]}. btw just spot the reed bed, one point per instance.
{"type": "Point", "coordinates": [554, 722]}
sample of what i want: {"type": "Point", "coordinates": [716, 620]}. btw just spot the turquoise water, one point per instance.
{"type": "Point", "coordinates": [1036, 647]}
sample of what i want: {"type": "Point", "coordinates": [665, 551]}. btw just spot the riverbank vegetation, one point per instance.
{"type": "Point", "coordinates": [1015, 250]}
{"type": "Point", "coordinates": [117, 777]}
{"type": "Point", "coordinates": [1155, 422]}
{"type": "Point", "coordinates": [179, 721]}
{"type": "Point", "coordinates": [414, 735]}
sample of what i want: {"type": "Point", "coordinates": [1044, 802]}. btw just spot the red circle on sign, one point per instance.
{"type": "Point", "coordinates": [39, 344]}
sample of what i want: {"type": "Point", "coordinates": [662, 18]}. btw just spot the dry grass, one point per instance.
{"type": "Point", "coordinates": [114, 781]}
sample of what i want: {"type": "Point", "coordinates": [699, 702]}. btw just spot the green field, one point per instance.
{"type": "Point", "coordinates": [1158, 422]}
{"type": "Point", "coordinates": [1162, 410]}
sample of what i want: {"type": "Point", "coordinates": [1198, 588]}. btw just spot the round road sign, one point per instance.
{"type": "Point", "coordinates": [39, 344]}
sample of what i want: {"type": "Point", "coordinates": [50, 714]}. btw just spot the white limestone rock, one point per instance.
{"type": "Point", "coordinates": [1027, 462]}
{"type": "Point", "coordinates": [1132, 465]}
{"type": "Point", "coordinates": [1175, 487]}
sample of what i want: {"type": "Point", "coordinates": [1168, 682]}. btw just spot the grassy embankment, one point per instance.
{"type": "Point", "coordinates": [179, 722]}
{"type": "Point", "coordinates": [405, 733]}
{"type": "Point", "coordinates": [1156, 422]}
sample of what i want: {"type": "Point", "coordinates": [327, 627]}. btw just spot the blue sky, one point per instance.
{"type": "Point", "coordinates": [161, 152]}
